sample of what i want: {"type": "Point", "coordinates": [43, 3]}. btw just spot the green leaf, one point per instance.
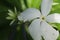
{"type": "Point", "coordinates": [29, 2]}
{"type": "Point", "coordinates": [33, 3]}
{"type": "Point", "coordinates": [23, 6]}
{"type": "Point", "coordinates": [9, 18]}
{"type": "Point", "coordinates": [36, 3]}
{"type": "Point", "coordinates": [55, 25]}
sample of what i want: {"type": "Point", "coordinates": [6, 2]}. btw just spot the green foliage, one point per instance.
{"type": "Point", "coordinates": [33, 3]}
{"type": "Point", "coordinates": [20, 5]}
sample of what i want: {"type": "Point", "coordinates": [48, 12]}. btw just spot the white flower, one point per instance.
{"type": "Point", "coordinates": [39, 27]}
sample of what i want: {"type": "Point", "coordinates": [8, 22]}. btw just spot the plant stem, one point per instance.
{"type": "Point", "coordinates": [24, 32]}
{"type": "Point", "coordinates": [13, 31]}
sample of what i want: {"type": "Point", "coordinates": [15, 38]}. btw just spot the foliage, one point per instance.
{"type": "Point", "coordinates": [20, 5]}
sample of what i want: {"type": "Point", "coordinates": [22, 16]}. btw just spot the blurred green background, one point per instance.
{"type": "Point", "coordinates": [20, 5]}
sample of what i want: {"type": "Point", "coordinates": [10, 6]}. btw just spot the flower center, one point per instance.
{"type": "Point", "coordinates": [42, 18]}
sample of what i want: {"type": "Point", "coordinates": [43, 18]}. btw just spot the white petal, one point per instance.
{"type": "Point", "coordinates": [53, 18]}
{"type": "Point", "coordinates": [34, 30]}
{"type": "Point", "coordinates": [29, 14]}
{"type": "Point", "coordinates": [46, 6]}
{"type": "Point", "coordinates": [48, 32]}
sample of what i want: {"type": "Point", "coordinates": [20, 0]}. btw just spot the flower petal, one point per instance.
{"type": "Point", "coordinates": [48, 32]}
{"type": "Point", "coordinates": [29, 14]}
{"type": "Point", "coordinates": [34, 29]}
{"type": "Point", "coordinates": [53, 18]}
{"type": "Point", "coordinates": [46, 6]}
